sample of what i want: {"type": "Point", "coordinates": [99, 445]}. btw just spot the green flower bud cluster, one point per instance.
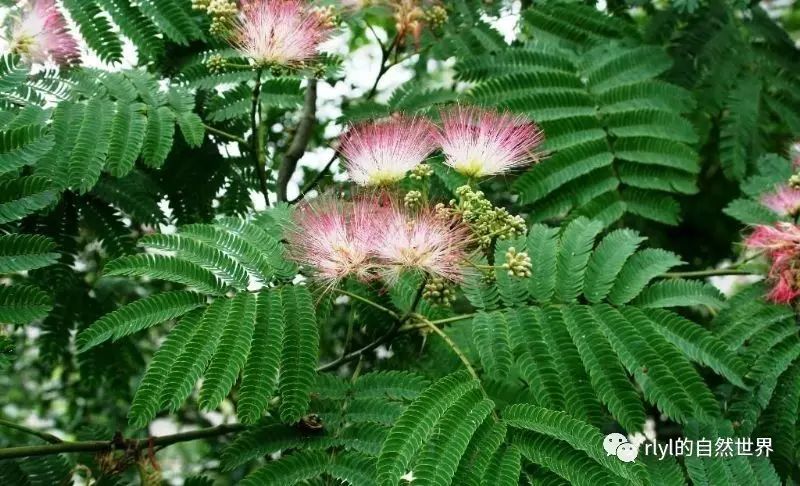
{"type": "Point", "coordinates": [518, 264]}
{"type": "Point", "coordinates": [421, 172]}
{"type": "Point", "coordinates": [439, 291]}
{"type": "Point", "coordinates": [413, 200]}
{"type": "Point", "coordinates": [436, 16]}
{"type": "Point", "coordinates": [216, 64]}
{"type": "Point", "coordinates": [327, 14]}
{"type": "Point", "coordinates": [487, 221]}
{"type": "Point", "coordinates": [222, 12]}
{"type": "Point", "coordinates": [794, 181]}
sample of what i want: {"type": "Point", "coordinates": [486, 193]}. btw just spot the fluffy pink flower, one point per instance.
{"type": "Point", "coordinates": [333, 238]}
{"type": "Point", "coordinates": [284, 32]}
{"type": "Point", "coordinates": [382, 152]}
{"type": "Point", "coordinates": [42, 34]}
{"type": "Point", "coordinates": [782, 245]}
{"type": "Point", "coordinates": [784, 274]}
{"type": "Point", "coordinates": [784, 200]}
{"type": "Point", "coordinates": [423, 241]}
{"type": "Point", "coordinates": [772, 238]}
{"type": "Point", "coordinates": [479, 142]}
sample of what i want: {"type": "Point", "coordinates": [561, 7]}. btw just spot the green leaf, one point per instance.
{"type": "Point", "coordinates": [607, 376]}
{"type": "Point", "coordinates": [95, 29]}
{"type": "Point", "coordinates": [289, 470]}
{"type": "Point", "coordinates": [697, 343]}
{"type": "Point", "coordinates": [23, 146]}
{"type": "Point", "coordinates": [490, 332]}
{"type": "Point", "coordinates": [13, 73]}
{"type": "Point", "coordinates": [300, 349]}
{"type": "Point", "coordinates": [578, 434]}
{"type": "Point", "coordinates": [607, 261]}
{"type": "Point", "coordinates": [192, 128]}
{"type": "Point", "coordinates": [353, 467]}
{"type": "Point", "coordinates": [737, 136]}
{"type": "Point", "coordinates": [679, 293]}
{"type": "Point", "coordinates": [165, 268]}
{"type": "Point", "coordinates": [147, 400]}
{"type": "Point", "coordinates": [195, 356]}
{"type": "Point", "coordinates": [558, 456]}
{"type": "Point", "coordinates": [231, 352]}
{"type": "Point", "coordinates": [20, 304]}
{"type": "Point", "coordinates": [90, 146]}
{"type": "Point", "coordinates": [25, 252]}
{"type": "Point", "coordinates": [416, 425]}
{"type": "Point", "coordinates": [750, 212]}
{"type": "Point", "coordinates": [534, 356]}
{"type": "Point", "coordinates": [138, 315]}
{"type": "Point", "coordinates": [476, 459]}
{"type": "Point", "coordinates": [504, 469]}
{"type": "Point", "coordinates": [202, 254]}
{"type": "Point", "coordinates": [260, 374]}
{"type": "Point", "coordinates": [24, 196]}
{"type": "Point", "coordinates": [638, 271]}
{"type": "Point", "coordinates": [159, 136]}
{"type": "Point", "coordinates": [127, 137]}
{"type": "Point", "coordinates": [439, 459]}
{"type": "Point", "coordinates": [575, 249]}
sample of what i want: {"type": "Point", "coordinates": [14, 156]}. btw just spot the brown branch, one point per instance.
{"type": "Point", "coordinates": [259, 137]}
{"type": "Point", "coordinates": [223, 133]}
{"type": "Point", "coordinates": [396, 329]}
{"type": "Point", "coordinates": [313, 184]}
{"type": "Point", "coordinates": [300, 141]}
{"type": "Point", "coordinates": [42, 435]}
{"type": "Point", "coordinates": [110, 445]}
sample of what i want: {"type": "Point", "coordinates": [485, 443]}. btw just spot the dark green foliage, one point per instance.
{"type": "Point", "coordinates": [143, 282]}
{"type": "Point", "coordinates": [616, 139]}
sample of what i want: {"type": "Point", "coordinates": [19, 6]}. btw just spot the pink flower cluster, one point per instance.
{"type": "Point", "coordinates": [781, 243]}
{"type": "Point", "coordinates": [286, 32]}
{"type": "Point", "coordinates": [475, 142]}
{"type": "Point", "coordinates": [42, 34]}
{"type": "Point", "coordinates": [373, 238]}
{"type": "Point", "coordinates": [785, 200]}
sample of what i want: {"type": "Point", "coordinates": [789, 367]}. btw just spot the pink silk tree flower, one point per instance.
{"type": "Point", "coordinates": [478, 142]}
{"type": "Point", "coordinates": [785, 200]}
{"type": "Point", "coordinates": [423, 241]}
{"type": "Point", "coordinates": [42, 34]}
{"type": "Point", "coordinates": [284, 32]}
{"type": "Point", "coordinates": [380, 153]}
{"type": "Point", "coordinates": [782, 245]}
{"type": "Point", "coordinates": [332, 238]}
{"type": "Point", "coordinates": [773, 238]}
{"type": "Point", "coordinates": [784, 275]}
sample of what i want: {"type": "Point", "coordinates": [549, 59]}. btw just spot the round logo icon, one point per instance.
{"type": "Point", "coordinates": [618, 445]}
{"type": "Point", "coordinates": [626, 452]}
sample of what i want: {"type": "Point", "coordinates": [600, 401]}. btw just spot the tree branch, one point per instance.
{"type": "Point", "coordinates": [385, 338]}
{"type": "Point", "coordinates": [385, 56]}
{"type": "Point", "coordinates": [714, 272]}
{"type": "Point", "coordinates": [259, 157]}
{"type": "Point", "coordinates": [368, 302]}
{"type": "Point", "coordinates": [384, 67]}
{"type": "Point", "coordinates": [300, 140]}
{"type": "Point", "coordinates": [313, 184]}
{"type": "Point", "coordinates": [394, 331]}
{"type": "Point", "coordinates": [463, 357]}
{"type": "Point", "coordinates": [110, 445]}
{"type": "Point", "coordinates": [42, 435]}
{"type": "Point", "coordinates": [225, 134]}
